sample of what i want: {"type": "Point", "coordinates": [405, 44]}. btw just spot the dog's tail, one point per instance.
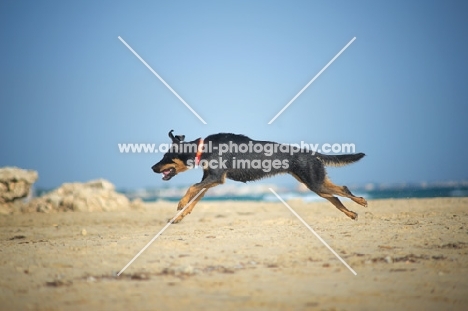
{"type": "Point", "coordinates": [340, 160]}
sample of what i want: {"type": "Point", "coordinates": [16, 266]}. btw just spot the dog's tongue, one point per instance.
{"type": "Point", "coordinates": [165, 172]}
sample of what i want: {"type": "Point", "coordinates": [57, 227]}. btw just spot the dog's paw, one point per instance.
{"type": "Point", "coordinates": [353, 216]}
{"type": "Point", "coordinates": [175, 221]}
{"type": "Point", "coordinates": [361, 201]}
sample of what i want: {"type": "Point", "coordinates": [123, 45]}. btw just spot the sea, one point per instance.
{"type": "Point", "coordinates": [263, 193]}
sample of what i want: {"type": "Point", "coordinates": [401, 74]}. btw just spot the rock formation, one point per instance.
{"type": "Point", "coordinates": [15, 185]}
{"type": "Point", "coordinates": [92, 196]}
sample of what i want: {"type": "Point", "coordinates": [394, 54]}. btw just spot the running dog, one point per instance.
{"type": "Point", "coordinates": [240, 158]}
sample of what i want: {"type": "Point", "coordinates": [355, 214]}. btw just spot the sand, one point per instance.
{"type": "Point", "coordinates": [408, 255]}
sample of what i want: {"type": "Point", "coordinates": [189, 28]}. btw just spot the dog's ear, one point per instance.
{"type": "Point", "coordinates": [176, 139]}
{"type": "Point", "coordinates": [171, 136]}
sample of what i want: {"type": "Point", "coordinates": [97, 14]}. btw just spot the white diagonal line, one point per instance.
{"type": "Point", "coordinates": [312, 230]}
{"type": "Point", "coordinates": [160, 232]}
{"type": "Point", "coordinates": [162, 80]}
{"type": "Point", "coordinates": [310, 82]}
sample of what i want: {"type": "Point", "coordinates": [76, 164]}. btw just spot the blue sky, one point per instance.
{"type": "Point", "coordinates": [71, 91]}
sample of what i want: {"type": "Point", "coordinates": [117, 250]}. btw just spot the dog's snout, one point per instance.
{"type": "Point", "coordinates": [155, 168]}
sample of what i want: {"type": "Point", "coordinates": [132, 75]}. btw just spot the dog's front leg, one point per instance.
{"type": "Point", "coordinates": [191, 193]}
{"type": "Point", "coordinates": [200, 189]}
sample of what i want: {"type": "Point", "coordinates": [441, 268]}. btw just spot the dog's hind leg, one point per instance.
{"type": "Point", "coordinates": [337, 203]}
{"type": "Point", "coordinates": [329, 188]}
{"type": "Point", "coordinates": [208, 181]}
{"type": "Point", "coordinates": [326, 190]}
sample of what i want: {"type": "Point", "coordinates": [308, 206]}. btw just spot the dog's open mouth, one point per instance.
{"type": "Point", "coordinates": [168, 173]}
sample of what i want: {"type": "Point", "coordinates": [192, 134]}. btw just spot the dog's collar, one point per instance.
{"type": "Point", "coordinates": [199, 151]}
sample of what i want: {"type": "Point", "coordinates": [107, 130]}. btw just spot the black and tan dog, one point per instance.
{"type": "Point", "coordinates": [240, 158]}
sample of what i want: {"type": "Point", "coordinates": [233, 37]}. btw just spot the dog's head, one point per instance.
{"type": "Point", "coordinates": [175, 160]}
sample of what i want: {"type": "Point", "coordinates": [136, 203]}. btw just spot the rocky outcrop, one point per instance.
{"type": "Point", "coordinates": [15, 185]}
{"type": "Point", "coordinates": [92, 196]}
{"type": "Point", "coordinates": [96, 195]}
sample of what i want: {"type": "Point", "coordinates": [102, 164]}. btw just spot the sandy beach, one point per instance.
{"type": "Point", "coordinates": [409, 254]}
